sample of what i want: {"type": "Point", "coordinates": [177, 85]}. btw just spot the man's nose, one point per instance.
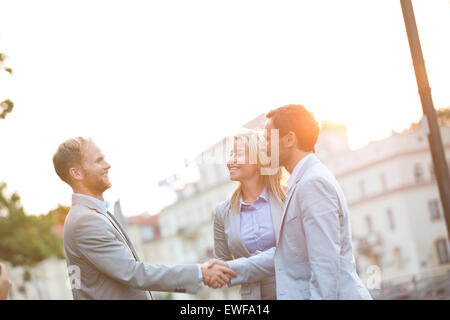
{"type": "Point", "coordinates": [231, 160]}
{"type": "Point", "coordinates": [108, 166]}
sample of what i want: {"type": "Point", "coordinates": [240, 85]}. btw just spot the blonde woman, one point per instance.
{"type": "Point", "coordinates": [249, 222]}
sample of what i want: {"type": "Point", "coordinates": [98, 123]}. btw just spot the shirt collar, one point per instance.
{"type": "Point", "coordinates": [104, 205]}
{"type": "Point", "coordinates": [264, 195]}
{"type": "Point", "coordinates": [293, 177]}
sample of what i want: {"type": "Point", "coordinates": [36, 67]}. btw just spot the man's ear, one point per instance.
{"type": "Point", "coordinates": [76, 173]}
{"type": "Point", "coordinates": [291, 139]}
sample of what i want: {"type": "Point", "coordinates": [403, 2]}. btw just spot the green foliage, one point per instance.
{"type": "Point", "coordinates": [3, 57]}
{"type": "Point", "coordinates": [7, 105]}
{"type": "Point", "coordinates": [58, 214]}
{"type": "Point", "coordinates": [26, 276]}
{"type": "Point", "coordinates": [26, 239]}
{"type": "Point", "coordinates": [443, 116]}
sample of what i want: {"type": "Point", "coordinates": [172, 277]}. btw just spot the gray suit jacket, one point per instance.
{"type": "Point", "coordinates": [228, 246]}
{"type": "Point", "coordinates": [314, 258]}
{"type": "Point", "coordinates": [99, 252]}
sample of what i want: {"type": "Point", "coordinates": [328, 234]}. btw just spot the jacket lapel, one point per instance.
{"type": "Point", "coordinates": [124, 237]}
{"type": "Point", "coordinates": [309, 163]}
{"type": "Point", "coordinates": [123, 232]}
{"type": "Point", "coordinates": [92, 205]}
{"type": "Point", "coordinates": [276, 211]}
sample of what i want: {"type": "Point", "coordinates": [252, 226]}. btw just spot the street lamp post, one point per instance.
{"type": "Point", "coordinates": [430, 118]}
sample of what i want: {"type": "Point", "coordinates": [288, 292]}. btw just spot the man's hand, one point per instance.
{"type": "Point", "coordinates": [5, 283]}
{"type": "Point", "coordinates": [213, 262]}
{"type": "Point", "coordinates": [216, 273]}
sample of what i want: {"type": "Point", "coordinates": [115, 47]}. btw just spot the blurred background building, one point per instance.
{"type": "Point", "coordinates": [48, 280]}
{"type": "Point", "coordinates": [397, 218]}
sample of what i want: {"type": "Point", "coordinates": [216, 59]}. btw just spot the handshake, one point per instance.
{"type": "Point", "coordinates": [216, 273]}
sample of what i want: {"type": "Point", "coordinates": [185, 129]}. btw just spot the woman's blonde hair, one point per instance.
{"type": "Point", "coordinates": [252, 141]}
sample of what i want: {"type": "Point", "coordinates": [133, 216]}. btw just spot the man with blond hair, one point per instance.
{"type": "Point", "coordinates": [101, 259]}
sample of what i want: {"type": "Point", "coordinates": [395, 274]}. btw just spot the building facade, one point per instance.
{"type": "Point", "coordinates": [397, 219]}
{"type": "Point", "coordinates": [48, 280]}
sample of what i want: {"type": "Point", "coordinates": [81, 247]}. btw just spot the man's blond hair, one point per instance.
{"type": "Point", "coordinates": [69, 155]}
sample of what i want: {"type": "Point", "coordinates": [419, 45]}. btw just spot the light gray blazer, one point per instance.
{"type": "Point", "coordinates": [228, 246]}
{"type": "Point", "coordinates": [108, 265]}
{"type": "Point", "coordinates": [314, 258]}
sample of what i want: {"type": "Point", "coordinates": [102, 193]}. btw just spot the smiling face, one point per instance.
{"type": "Point", "coordinates": [94, 170]}
{"type": "Point", "coordinates": [239, 164]}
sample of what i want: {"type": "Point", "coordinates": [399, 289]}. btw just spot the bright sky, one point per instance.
{"type": "Point", "coordinates": [156, 82]}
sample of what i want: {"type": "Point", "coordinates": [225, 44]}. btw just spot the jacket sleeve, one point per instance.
{"type": "Point", "coordinates": [97, 243]}
{"type": "Point", "coordinates": [221, 250]}
{"type": "Point", "coordinates": [321, 220]}
{"type": "Point", "coordinates": [254, 268]}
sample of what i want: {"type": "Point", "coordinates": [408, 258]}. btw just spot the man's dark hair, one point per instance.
{"type": "Point", "coordinates": [295, 118]}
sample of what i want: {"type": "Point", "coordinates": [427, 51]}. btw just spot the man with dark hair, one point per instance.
{"type": "Point", "coordinates": [296, 118]}
{"type": "Point", "coordinates": [314, 258]}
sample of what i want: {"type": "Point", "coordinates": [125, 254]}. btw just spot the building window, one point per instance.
{"type": "Point", "coordinates": [383, 182]}
{"type": "Point", "coordinates": [398, 258]}
{"type": "Point", "coordinates": [442, 250]}
{"type": "Point", "coordinates": [369, 224]}
{"type": "Point", "coordinates": [434, 208]}
{"type": "Point", "coordinates": [418, 172]}
{"type": "Point", "coordinates": [362, 188]}
{"type": "Point", "coordinates": [147, 233]}
{"type": "Point", "coordinates": [432, 174]}
{"type": "Point", "coordinates": [391, 220]}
